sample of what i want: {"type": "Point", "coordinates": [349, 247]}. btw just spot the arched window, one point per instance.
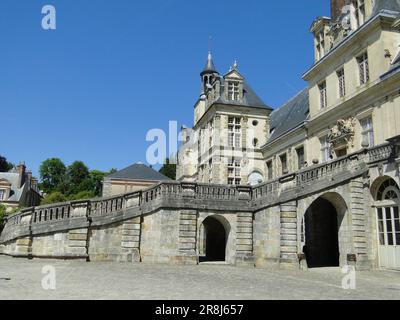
{"type": "Point", "coordinates": [256, 178]}
{"type": "Point", "coordinates": [388, 223]}
{"type": "Point", "coordinates": [388, 191]}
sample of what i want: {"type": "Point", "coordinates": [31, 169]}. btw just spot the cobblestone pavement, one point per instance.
{"type": "Point", "coordinates": [22, 279]}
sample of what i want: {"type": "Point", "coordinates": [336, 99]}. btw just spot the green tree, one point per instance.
{"type": "Point", "coordinates": [54, 197]}
{"type": "Point", "coordinates": [78, 177]}
{"type": "Point", "coordinates": [83, 195]}
{"type": "Point", "coordinates": [169, 169]}
{"type": "Point", "coordinates": [96, 179]}
{"type": "Point", "coordinates": [5, 166]}
{"type": "Point", "coordinates": [53, 175]}
{"type": "Point", "coordinates": [3, 213]}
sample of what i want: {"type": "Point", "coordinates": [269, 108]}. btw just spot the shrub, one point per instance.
{"type": "Point", "coordinates": [54, 197]}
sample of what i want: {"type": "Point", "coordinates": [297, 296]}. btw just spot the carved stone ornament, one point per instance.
{"type": "Point", "coordinates": [342, 134]}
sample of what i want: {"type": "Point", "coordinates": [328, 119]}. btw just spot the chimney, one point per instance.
{"type": "Point", "coordinates": [21, 172]}
{"type": "Point", "coordinates": [336, 8]}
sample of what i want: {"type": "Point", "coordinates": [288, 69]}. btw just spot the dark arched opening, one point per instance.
{"type": "Point", "coordinates": [321, 235]}
{"type": "Point", "coordinates": [215, 240]}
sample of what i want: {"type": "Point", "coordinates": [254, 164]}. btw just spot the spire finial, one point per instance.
{"type": "Point", "coordinates": [235, 65]}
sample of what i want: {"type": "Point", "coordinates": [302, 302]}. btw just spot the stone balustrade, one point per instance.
{"type": "Point", "coordinates": [192, 195]}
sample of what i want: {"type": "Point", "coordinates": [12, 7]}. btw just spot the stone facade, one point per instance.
{"type": "Point", "coordinates": [265, 189]}
{"type": "Point", "coordinates": [167, 223]}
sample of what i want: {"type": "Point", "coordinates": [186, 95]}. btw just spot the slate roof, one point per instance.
{"type": "Point", "coordinates": [12, 178]}
{"type": "Point", "coordinates": [138, 171]}
{"type": "Point", "coordinates": [209, 67]}
{"type": "Point", "coordinates": [250, 98]}
{"type": "Point", "coordinates": [390, 5]}
{"type": "Point", "coordinates": [290, 115]}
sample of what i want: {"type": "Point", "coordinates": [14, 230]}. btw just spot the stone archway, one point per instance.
{"type": "Point", "coordinates": [321, 235]}
{"type": "Point", "coordinates": [214, 240]}
{"type": "Point", "coordinates": [325, 233]}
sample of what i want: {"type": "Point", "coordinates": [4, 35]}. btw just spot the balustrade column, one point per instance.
{"type": "Point", "coordinates": [23, 246]}
{"type": "Point", "coordinates": [130, 243]}
{"type": "Point", "coordinates": [78, 236]}
{"type": "Point", "coordinates": [289, 250]}
{"type": "Point", "coordinates": [244, 239]}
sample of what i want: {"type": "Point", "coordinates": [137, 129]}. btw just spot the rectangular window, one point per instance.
{"type": "Point", "coordinates": [284, 164]}
{"type": "Point", "coordinates": [234, 172]}
{"type": "Point", "coordinates": [342, 83]}
{"type": "Point", "coordinates": [320, 45]}
{"type": "Point", "coordinates": [2, 194]}
{"type": "Point", "coordinates": [367, 132]}
{"type": "Point", "coordinates": [300, 158]}
{"type": "Point", "coordinates": [359, 12]}
{"type": "Point", "coordinates": [323, 95]}
{"type": "Point", "coordinates": [233, 90]}
{"type": "Point", "coordinates": [325, 150]}
{"type": "Point", "coordinates": [363, 66]}
{"type": "Point", "coordinates": [269, 169]}
{"type": "Point", "coordinates": [211, 133]}
{"type": "Point", "coordinates": [234, 132]}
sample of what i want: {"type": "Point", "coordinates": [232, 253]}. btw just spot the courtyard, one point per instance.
{"type": "Point", "coordinates": [22, 279]}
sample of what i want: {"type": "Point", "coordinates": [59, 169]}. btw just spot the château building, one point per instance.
{"type": "Point", "coordinates": [349, 104]}
{"type": "Point", "coordinates": [313, 183]}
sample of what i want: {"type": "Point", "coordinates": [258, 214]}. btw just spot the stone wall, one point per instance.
{"type": "Point", "coordinates": [163, 224]}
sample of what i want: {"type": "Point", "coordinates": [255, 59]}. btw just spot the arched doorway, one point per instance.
{"type": "Point", "coordinates": [214, 238]}
{"type": "Point", "coordinates": [321, 233]}
{"type": "Point", "coordinates": [387, 203]}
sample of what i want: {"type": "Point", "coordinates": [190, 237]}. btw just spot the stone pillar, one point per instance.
{"type": "Point", "coordinates": [130, 244]}
{"type": "Point", "coordinates": [188, 237]}
{"type": "Point", "coordinates": [23, 246]}
{"type": "Point", "coordinates": [289, 250]}
{"type": "Point", "coordinates": [132, 200]}
{"type": "Point", "coordinates": [244, 240]}
{"type": "Point", "coordinates": [358, 209]}
{"type": "Point", "coordinates": [78, 238]}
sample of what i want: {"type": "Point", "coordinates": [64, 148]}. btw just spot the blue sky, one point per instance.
{"type": "Point", "coordinates": [113, 70]}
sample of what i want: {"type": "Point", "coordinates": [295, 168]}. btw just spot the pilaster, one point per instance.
{"type": "Point", "coordinates": [289, 250]}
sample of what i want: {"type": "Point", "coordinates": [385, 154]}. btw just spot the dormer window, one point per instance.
{"type": "Point", "coordinates": [2, 194]}
{"type": "Point", "coordinates": [323, 95]}
{"type": "Point", "coordinates": [363, 66]}
{"type": "Point", "coordinates": [320, 45]}
{"type": "Point", "coordinates": [233, 91]}
{"type": "Point", "coordinates": [359, 12]}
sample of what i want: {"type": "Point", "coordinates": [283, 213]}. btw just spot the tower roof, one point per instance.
{"type": "Point", "coordinates": [210, 67]}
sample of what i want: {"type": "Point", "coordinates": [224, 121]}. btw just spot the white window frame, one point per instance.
{"type": "Point", "coordinates": [342, 82]}
{"type": "Point", "coordinates": [323, 95]}
{"type": "Point", "coordinates": [359, 12]}
{"type": "Point", "coordinates": [234, 171]}
{"type": "Point", "coordinates": [233, 90]}
{"type": "Point", "coordinates": [320, 45]}
{"type": "Point", "coordinates": [234, 132]}
{"type": "Point", "coordinates": [285, 156]}
{"type": "Point", "coordinates": [325, 149]}
{"type": "Point", "coordinates": [300, 165]}
{"type": "Point", "coordinates": [363, 67]}
{"type": "Point", "coordinates": [3, 194]}
{"type": "Point", "coordinates": [367, 131]}
{"type": "Point", "coordinates": [270, 170]}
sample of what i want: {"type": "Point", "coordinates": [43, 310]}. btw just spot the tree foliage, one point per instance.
{"type": "Point", "coordinates": [169, 169]}
{"type": "Point", "coordinates": [54, 197]}
{"type": "Point", "coordinates": [5, 166]}
{"type": "Point", "coordinates": [52, 174]}
{"type": "Point", "coordinates": [75, 182]}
